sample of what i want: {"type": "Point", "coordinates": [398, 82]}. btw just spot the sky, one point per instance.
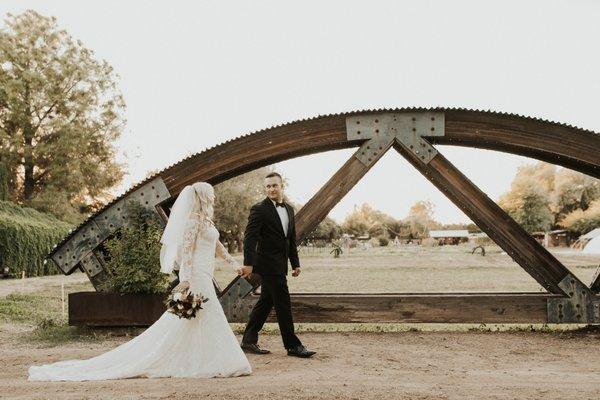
{"type": "Point", "coordinates": [197, 73]}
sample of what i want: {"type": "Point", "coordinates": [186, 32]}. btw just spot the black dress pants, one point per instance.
{"type": "Point", "coordinates": [274, 292]}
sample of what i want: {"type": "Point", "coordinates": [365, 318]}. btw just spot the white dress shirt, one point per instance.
{"type": "Point", "coordinates": [283, 216]}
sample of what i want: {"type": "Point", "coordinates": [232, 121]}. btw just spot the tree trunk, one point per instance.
{"type": "Point", "coordinates": [28, 181]}
{"type": "Point", "coordinates": [240, 244]}
{"type": "Point", "coordinates": [28, 164]}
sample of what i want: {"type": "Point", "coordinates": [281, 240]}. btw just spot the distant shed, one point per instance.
{"type": "Point", "coordinates": [450, 236]}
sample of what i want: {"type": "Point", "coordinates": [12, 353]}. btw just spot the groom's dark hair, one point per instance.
{"type": "Point", "coordinates": [272, 174]}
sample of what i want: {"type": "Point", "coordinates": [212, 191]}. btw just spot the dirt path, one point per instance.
{"type": "Point", "coordinates": [411, 365]}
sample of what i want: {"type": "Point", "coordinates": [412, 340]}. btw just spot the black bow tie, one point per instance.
{"type": "Point", "coordinates": [279, 204]}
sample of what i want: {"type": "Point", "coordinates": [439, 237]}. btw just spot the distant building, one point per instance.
{"type": "Point", "coordinates": [450, 236]}
{"type": "Point", "coordinates": [557, 238]}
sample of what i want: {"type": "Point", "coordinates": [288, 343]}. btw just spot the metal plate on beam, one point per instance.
{"type": "Point", "coordinates": [580, 307]}
{"type": "Point", "coordinates": [71, 253]}
{"type": "Point", "coordinates": [150, 194]}
{"type": "Point", "coordinates": [232, 301]}
{"type": "Point", "coordinates": [409, 129]}
{"type": "Point", "coordinates": [91, 265]}
{"type": "Point", "coordinates": [373, 126]}
{"type": "Point", "coordinates": [111, 219]}
{"type": "Point", "coordinates": [106, 223]}
{"type": "Point", "coordinates": [372, 150]}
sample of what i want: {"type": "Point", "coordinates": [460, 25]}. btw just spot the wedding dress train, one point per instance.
{"type": "Point", "coordinates": [201, 347]}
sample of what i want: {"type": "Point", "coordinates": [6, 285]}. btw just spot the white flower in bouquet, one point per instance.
{"type": "Point", "coordinates": [177, 296]}
{"type": "Point", "coordinates": [180, 306]}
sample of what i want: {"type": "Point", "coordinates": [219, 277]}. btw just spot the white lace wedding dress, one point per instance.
{"type": "Point", "coordinates": [201, 347]}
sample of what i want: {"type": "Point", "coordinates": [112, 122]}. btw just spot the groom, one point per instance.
{"type": "Point", "coordinates": [269, 240]}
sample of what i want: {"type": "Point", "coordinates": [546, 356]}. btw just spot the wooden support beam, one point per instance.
{"type": "Point", "coordinates": [317, 208]}
{"type": "Point", "coordinates": [416, 307]}
{"type": "Point", "coordinates": [113, 309]}
{"type": "Point", "coordinates": [498, 225]}
{"type": "Point", "coordinates": [309, 216]}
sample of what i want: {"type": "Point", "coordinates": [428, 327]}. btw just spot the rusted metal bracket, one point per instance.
{"type": "Point", "coordinates": [77, 251]}
{"type": "Point", "coordinates": [408, 129]}
{"type": "Point", "coordinates": [233, 302]}
{"type": "Point", "coordinates": [582, 306]}
{"type": "Point", "coordinates": [91, 265]}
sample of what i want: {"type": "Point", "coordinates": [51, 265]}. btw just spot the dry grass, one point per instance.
{"type": "Point", "coordinates": [419, 269]}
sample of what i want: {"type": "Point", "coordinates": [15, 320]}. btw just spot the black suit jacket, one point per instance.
{"type": "Point", "coordinates": [266, 247]}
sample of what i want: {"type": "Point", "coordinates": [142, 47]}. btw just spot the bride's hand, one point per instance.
{"type": "Point", "coordinates": [182, 287]}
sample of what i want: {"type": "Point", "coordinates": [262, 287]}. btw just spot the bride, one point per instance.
{"type": "Point", "coordinates": [201, 347]}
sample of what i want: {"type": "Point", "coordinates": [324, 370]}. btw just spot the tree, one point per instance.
{"type": "Point", "coordinates": [420, 218]}
{"type": "Point", "coordinates": [60, 112]}
{"type": "Point", "coordinates": [581, 221]}
{"type": "Point", "coordinates": [365, 219]}
{"type": "Point", "coordinates": [572, 191]}
{"type": "Point", "coordinates": [528, 202]}
{"type": "Point", "coordinates": [327, 229]}
{"type": "Point", "coordinates": [541, 196]}
{"type": "Point", "coordinates": [3, 183]}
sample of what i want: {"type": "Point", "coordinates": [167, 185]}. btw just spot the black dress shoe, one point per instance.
{"type": "Point", "coordinates": [253, 348]}
{"type": "Point", "coordinates": [300, 351]}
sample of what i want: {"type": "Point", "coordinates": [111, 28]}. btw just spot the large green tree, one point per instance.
{"type": "Point", "coordinates": [528, 200]}
{"type": "Point", "coordinates": [365, 219]}
{"type": "Point", "coordinates": [583, 221]}
{"type": "Point", "coordinates": [543, 196]}
{"type": "Point", "coordinates": [60, 112]}
{"type": "Point", "coordinates": [573, 191]}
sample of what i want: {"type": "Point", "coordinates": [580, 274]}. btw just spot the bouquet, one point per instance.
{"type": "Point", "coordinates": [185, 304]}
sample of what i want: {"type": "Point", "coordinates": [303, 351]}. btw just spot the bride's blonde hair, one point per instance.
{"type": "Point", "coordinates": [204, 202]}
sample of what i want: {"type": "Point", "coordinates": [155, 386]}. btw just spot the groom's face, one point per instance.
{"type": "Point", "coordinates": [274, 188]}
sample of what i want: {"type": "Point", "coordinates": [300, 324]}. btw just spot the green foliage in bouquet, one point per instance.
{"type": "Point", "coordinates": [26, 237]}
{"type": "Point", "coordinates": [133, 255]}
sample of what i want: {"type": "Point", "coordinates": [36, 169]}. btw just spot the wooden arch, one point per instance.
{"type": "Point", "coordinates": [413, 133]}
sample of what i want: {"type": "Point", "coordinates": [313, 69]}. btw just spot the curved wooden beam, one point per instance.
{"type": "Point", "coordinates": [548, 141]}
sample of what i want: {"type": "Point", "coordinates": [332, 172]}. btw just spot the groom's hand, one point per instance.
{"type": "Point", "coordinates": [296, 272]}
{"type": "Point", "coordinates": [246, 271]}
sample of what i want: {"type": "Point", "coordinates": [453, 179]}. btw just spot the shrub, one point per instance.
{"type": "Point", "coordinates": [383, 241]}
{"type": "Point", "coordinates": [580, 221]}
{"type": "Point", "coordinates": [430, 242]}
{"type": "Point", "coordinates": [133, 255]}
{"type": "Point", "coordinates": [26, 237]}
{"type": "Point", "coordinates": [484, 241]}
